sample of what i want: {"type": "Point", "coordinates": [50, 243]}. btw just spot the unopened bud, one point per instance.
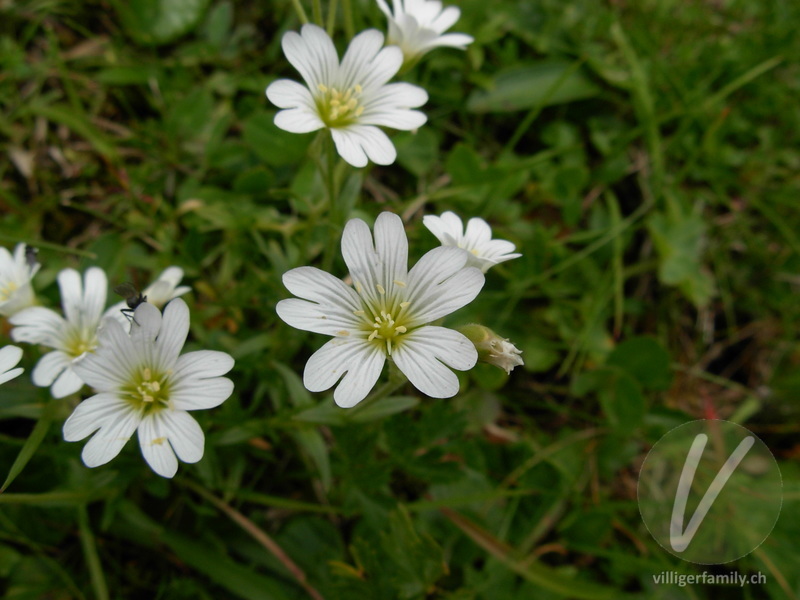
{"type": "Point", "coordinates": [492, 348]}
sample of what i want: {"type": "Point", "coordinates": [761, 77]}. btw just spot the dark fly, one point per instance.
{"type": "Point", "coordinates": [30, 256]}
{"type": "Point", "coordinates": [133, 298]}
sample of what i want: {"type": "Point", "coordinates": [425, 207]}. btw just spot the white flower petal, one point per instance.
{"type": "Point", "coordinates": [185, 435]}
{"type": "Point", "coordinates": [384, 66]}
{"type": "Point", "coordinates": [454, 40]}
{"type": "Point", "coordinates": [202, 364]}
{"type": "Point", "coordinates": [336, 301]}
{"type": "Point", "coordinates": [69, 283]}
{"type": "Point", "coordinates": [446, 19]}
{"type": "Point", "coordinates": [145, 324]}
{"type": "Point", "coordinates": [285, 93]}
{"type": "Point", "coordinates": [49, 367]}
{"type": "Point", "coordinates": [298, 120]}
{"type": "Point", "coordinates": [420, 353]}
{"type": "Point", "coordinates": [9, 357]}
{"type": "Point", "coordinates": [478, 232]}
{"type": "Point", "coordinates": [67, 383]}
{"type": "Point", "coordinates": [440, 284]}
{"type": "Point", "coordinates": [92, 414]}
{"type": "Point", "coordinates": [95, 290]}
{"type": "Point", "coordinates": [155, 446]}
{"type": "Point", "coordinates": [348, 147]}
{"type": "Point", "coordinates": [11, 374]}
{"type": "Point", "coordinates": [200, 394]}
{"type": "Point", "coordinates": [361, 361]}
{"type": "Point", "coordinates": [375, 144]}
{"type": "Point", "coordinates": [312, 53]}
{"type": "Point", "coordinates": [358, 60]}
{"type": "Point", "coordinates": [309, 316]}
{"type": "Point", "coordinates": [391, 245]}
{"type": "Point", "coordinates": [38, 325]}
{"type": "Point", "coordinates": [174, 329]}
{"type": "Point", "coordinates": [112, 437]}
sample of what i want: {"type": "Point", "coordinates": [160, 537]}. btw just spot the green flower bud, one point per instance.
{"type": "Point", "coordinates": [492, 348]}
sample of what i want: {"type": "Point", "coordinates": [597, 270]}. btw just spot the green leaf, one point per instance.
{"type": "Point", "coordinates": [274, 146]}
{"type": "Point", "coordinates": [619, 394]}
{"type": "Point", "coordinates": [156, 22]}
{"type": "Point", "coordinates": [313, 445]}
{"type": "Point", "coordinates": [546, 83]}
{"type": "Point", "coordinates": [646, 360]}
{"type": "Point", "coordinates": [29, 448]}
{"type": "Point", "coordinates": [679, 241]}
{"type": "Point", "coordinates": [417, 152]}
{"type": "Point", "coordinates": [78, 124]}
{"type": "Point", "coordinates": [327, 413]}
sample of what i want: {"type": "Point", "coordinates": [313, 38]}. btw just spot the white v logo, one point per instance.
{"type": "Point", "coordinates": [679, 539]}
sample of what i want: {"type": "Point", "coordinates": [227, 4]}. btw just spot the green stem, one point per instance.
{"type": "Point", "coordinates": [347, 11]}
{"type": "Point", "coordinates": [316, 11]}
{"type": "Point", "coordinates": [332, 16]}
{"type": "Point", "coordinates": [334, 210]}
{"type": "Point", "coordinates": [301, 14]}
{"type": "Point", "coordinates": [90, 553]}
{"type": "Point", "coordinates": [396, 380]}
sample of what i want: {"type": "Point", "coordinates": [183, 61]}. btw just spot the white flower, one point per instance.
{"type": "Point", "coordinates": [418, 26]}
{"type": "Point", "coordinates": [386, 315]}
{"type": "Point", "coordinates": [16, 291]}
{"type": "Point", "coordinates": [492, 348]}
{"type": "Point", "coordinates": [70, 338]}
{"type": "Point", "coordinates": [143, 384]}
{"type": "Point", "coordinates": [161, 291]}
{"type": "Point", "coordinates": [350, 98]}
{"type": "Point", "coordinates": [477, 240]}
{"type": "Point", "coordinates": [9, 357]}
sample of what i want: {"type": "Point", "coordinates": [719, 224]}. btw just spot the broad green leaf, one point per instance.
{"type": "Point", "coordinates": [646, 360]}
{"type": "Point", "coordinates": [156, 22]}
{"type": "Point", "coordinates": [313, 445]}
{"type": "Point", "coordinates": [546, 83]}
{"type": "Point", "coordinates": [273, 145]}
{"type": "Point", "coordinates": [417, 152]}
{"type": "Point", "coordinates": [679, 241]}
{"type": "Point", "coordinates": [618, 392]}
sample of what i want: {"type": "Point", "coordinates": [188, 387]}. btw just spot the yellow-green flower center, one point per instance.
{"type": "Point", "coordinates": [7, 289]}
{"type": "Point", "coordinates": [337, 108]}
{"type": "Point", "coordinates": [386, 322]}
{"type": "Point", "coordinates": [148, 390]}
{"type": "Point", "coordinates": [80, 341]}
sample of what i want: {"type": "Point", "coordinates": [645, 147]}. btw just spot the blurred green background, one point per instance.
{"type": "Point", "coordinates": [642, 155]}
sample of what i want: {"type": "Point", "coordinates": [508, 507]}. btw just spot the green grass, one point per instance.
{"type": "Point", "coordinates": [644, 158]}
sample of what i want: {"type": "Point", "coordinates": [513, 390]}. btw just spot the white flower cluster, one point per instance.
{"type": "Point", "coordinates": [389, 311]}
{"type": "Point", "coordinates": [352, 98]}
{"type": "Point", "coordinates": [142, 382]}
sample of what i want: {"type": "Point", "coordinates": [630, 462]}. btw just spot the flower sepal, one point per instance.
{"type": "Point", "coordinates": [492, 348]}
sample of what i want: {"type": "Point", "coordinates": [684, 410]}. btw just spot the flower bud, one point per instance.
{"type": "Point", "coordinates": [492, 348]}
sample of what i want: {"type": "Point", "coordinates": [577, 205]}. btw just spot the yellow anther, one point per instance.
{"type": "Point", "coordinates": [372, 335]}
{"type": "Point", "coordinates": [322, 88]}
{"type": "Point", "coordinates": [359, 312]}
{"type": "Point", "coordinates": [358, 89]}
{"type": "Point", "coordinates": [404, 304]}
{"type": "Point", "coordinates": [146, 373]}
{"type": "Point", "coordinates": [400, 283]}
{"type": "Point", "coordinates": [400, 329]}
{"type": "Point", "coordinates": [381, 289]}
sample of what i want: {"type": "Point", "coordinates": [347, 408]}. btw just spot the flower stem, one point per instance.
{"type": "Point", "coordinates": [259, 535]}
{"type": "Point", "coordinates": [347, 11]}
{"type": "Point", "coordinates": [396, 380]}
{"type": "Point", "coordinates": [332, 16]}
{"type": "Point", "coordinates": [335, 211]}
{"type": "Point", "coordinates": [301, 14]}
{"type": "Point", "coordinates": [316, 11]}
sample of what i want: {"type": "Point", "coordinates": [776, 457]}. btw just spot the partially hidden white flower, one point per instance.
{"type": "Point", "coordinates": [70, 336]}
{"type": "Point", "coordinates": [351, 99]}
{"type": "Point", "coordinates": [477, 239]}
{"type": "Point", "coordinates": [158, 293]}
{"type": "Point", "coordinates": [9, 357]}
{"type": "Point", "coordinates": [16, 292]}
{"type": "Point", "coordinates": [144, 385]}
{"type": "Point", "coordinates": [387, 315]}
{"type": "Point", "coordinates": [418, 26]}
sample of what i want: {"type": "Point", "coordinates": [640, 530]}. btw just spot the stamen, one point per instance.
{"type": "Point", "coordinates": [399, 283]}
{"type": "Point", "coordinates": [400, 329]}
{"type": "Point", "coordinates": [372, 335]}
{"type": "Point", "coordinates": [359, 312]}
{"type": "Point", "coordinates": [404, 304]}
{"type": "Point", "coordinates": [381, 289]}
